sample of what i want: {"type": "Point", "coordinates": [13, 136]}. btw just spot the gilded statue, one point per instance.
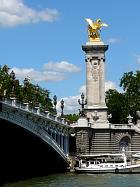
{"type": "Point", "coordinates": [94, 29]}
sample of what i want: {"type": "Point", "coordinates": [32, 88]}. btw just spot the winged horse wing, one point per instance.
{"type": "Point", "coordinates": [91, 23]}
{"type": "Point", "coordinates": [104, 25]}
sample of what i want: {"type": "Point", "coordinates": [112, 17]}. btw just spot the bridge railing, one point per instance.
{"type": "Point", "coordinates": [25, 106]}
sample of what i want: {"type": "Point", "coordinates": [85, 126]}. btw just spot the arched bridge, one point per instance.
{"type": "Point", "coordinates": [40, 137]}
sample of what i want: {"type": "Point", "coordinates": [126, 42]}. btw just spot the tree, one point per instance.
{"type": "Point", "coordinates": [72, 117]}
{"type": "Point", "coordinates": [120, 105]}
{"type": "Point", "coordinates": [4, 80]}
{"type": "Point", "coordinates": [26, 93]}
{"type": "Point", "coordinates": [117, 106]}
{"type": "Point", "coordinates": [131, 85]}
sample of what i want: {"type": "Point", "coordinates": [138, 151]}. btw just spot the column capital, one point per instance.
{"type": "Point", "coordinates": [94, 48]}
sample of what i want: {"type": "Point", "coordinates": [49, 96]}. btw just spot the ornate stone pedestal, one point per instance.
{"type": "Point", "coordinates": [83, 122]}
{"type": "Point", "coordinates": [95, 109]}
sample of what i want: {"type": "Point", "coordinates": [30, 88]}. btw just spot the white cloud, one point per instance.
{"type": "Point", "coordinates": [110, 85]}
{"type": "Point", "coordinates": [137, 58]}
{"type": "Point", "coordinates": [112, 40]}
{"type": "Point", "coordinates": [62, 66]}
{"type": "Point", "coordinates": [71, 105]}
{"type": "Point", "coordinates": [82, 89]}
{"type": "Point", "coordinates": [38, 76]}
{"type": "Point", "coordinates": [15, 12]}
{"type": "Point", "coordinates": [50, 74]}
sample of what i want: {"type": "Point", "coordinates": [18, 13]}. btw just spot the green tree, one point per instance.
{"type": "Point", "coordinates": [120, 105]}
{"type": "Point", "coordinates": [72, 117]}
{"type": "Point", "coordinates": [24, 93]}
{"type": "Point", "coordinates": [4, 80]}
{"type": "Point", "coordinates": [131, 85]}
{"type": "Point", "coordinates": [117, 106]}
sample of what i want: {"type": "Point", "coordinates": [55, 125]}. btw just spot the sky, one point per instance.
{"type": "Point", "coordinates": [42, 40]}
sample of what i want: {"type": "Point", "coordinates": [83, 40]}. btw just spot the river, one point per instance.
{"type": "Point", "coordinates": [81, 180]}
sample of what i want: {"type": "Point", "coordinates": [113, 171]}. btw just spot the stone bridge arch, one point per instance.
{"type": "Point", "coordinates": [48, 132]}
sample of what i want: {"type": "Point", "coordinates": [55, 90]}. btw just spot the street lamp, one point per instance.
{"type": "Point", "coordinates": [37, 96]}
{"type": "Point", "coordinates": [26, 84]}
{"type": "Point", "coordinates": [62, 107]}
{"type": "Point", "coordinates": [82, 102]}
{"type": "Point", "coordinates": [55, 103]}
{"type": "Point", "coordinates": [46, 99]}
{"type": "Point", "coordinates": [12, 80]}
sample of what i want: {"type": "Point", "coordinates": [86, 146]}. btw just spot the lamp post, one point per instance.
{"type": "Point", "coordinates": [62, 107]}
{"type": "Point", "coordinates": [82, 102]}
{"type": "Point", "coordinates": [26, 84]}
{"type": "Point", "coordinates": [55, 103]}
{"type": "Point", "coordinates": [37, 96]}
{"type": "Point", "coordinates": [12, 80]}
{"type": "Point", "coordinates": [46, 100]}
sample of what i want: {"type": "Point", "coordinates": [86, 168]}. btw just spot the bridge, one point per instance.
{"type": "Point", "coordinates": [34, 141]}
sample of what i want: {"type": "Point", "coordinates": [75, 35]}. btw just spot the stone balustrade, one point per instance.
{"type": "Point", "coordinates": [121, 126]}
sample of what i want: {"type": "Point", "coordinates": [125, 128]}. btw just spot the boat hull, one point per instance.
{"type": "Point", "coordinates": [113, 170]}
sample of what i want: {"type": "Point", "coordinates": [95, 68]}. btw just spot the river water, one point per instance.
{"type": "Point", "coordinates": [81, 180]}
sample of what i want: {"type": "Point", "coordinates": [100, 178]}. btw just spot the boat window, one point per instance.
{"type": "Point", "coordinates": [91, 162]}
{"type": "Point", "coordinates": [83, 162]}
{"type": "Point", "coordinates": [87, 164]}
{"type": "Point", "coordinates": [119, 161]}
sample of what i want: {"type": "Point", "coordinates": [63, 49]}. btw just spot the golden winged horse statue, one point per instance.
{"type": "Point", "coordinates": [94, 28]}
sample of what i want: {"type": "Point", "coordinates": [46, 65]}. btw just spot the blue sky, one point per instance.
{"type": "Point", "coordinates": [42, 39]}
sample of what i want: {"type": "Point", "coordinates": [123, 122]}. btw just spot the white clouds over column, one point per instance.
{"type": "Point", "coordinates": [15, 12]}
{"type": "Point", "coordinates": [71, 102]}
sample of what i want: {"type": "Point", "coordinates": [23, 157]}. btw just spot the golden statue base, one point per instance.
{"type": "Point", "coordinates": [95, 43]}
{"type": "Point", "coordinates": [94, 39]}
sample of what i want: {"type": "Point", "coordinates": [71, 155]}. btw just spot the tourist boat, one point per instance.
{"type": "Point", "coordinates": [107, 163]}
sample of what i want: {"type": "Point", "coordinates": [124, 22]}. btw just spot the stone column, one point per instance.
{"type": "Point", "coordinates": [95, 76]}
{"type": "Point", "coordinates": [67, 145]}
{"type": "Point", "coordinates": [95, 81]}
{"type": "Point", "coordinates": [62, 139]}
{"type": "Point", "coordinates": [55, 135]}
{"type": "Point", "coordinates": [58, 141]}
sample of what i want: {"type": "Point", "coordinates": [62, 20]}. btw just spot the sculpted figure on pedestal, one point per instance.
{"type": "Point", "coordinates": [94, 29]}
